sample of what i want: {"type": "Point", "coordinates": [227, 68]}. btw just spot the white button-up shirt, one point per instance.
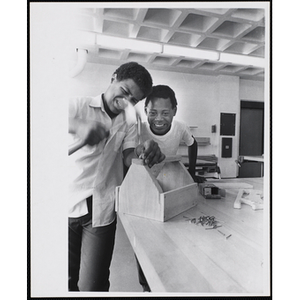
{"type": "Point", "coordinates": [97, 170]}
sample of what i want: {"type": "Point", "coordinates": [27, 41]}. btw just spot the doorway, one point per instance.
{"type": "Point", "coordinates": [251, 137]}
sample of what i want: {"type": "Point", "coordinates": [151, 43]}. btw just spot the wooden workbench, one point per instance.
{"type": "Point", "coordinates": [180, 256]}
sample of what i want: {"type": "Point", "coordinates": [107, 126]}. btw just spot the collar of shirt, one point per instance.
{"type": "Point", "coordinates": [97, 102]}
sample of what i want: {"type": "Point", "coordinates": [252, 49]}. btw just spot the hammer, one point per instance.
{"type": "Point", "coordinates": [131, 116]}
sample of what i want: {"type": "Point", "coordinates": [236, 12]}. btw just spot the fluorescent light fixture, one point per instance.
{"type": "Point", "coordinates": [190, 52]}
{"type": "Point", "coordinates": [123, 43]}
{"type": "Point", "coordinates": [82, 39]}
{"type": "Point", "coordinates": [242, 60]}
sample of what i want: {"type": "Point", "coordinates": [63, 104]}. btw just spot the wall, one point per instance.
{"type": "Point", "coordinates": [229, 102]}
{"type": "Point", "coordinates": [252, 90]}
{"type": "Point", "coordinates": [200, 98]}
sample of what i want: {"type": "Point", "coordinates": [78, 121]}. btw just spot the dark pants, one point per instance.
{"type": "Point", "coordinates": [142, 279]}
{"type": "Point", "coordinates": [90, 253]}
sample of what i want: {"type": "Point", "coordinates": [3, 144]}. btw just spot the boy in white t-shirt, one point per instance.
{"type": "Point", "coordinates": [160, 108]}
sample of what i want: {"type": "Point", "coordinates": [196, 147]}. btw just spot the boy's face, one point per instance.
{"type": "Point", "coordinates": [118, 90]}
{"type": "Point", "coordinates": [160, 115]}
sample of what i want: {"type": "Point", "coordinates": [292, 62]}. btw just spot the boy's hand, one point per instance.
{"type": "Point", "coordinates": [150, 152]}
{"type": "Point", "coordinates": [90, 132]}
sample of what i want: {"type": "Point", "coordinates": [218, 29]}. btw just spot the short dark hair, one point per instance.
{"type": "Point", "coordinates": [138, 73]}
{"type": "Point", "coordinates": [162, 91]}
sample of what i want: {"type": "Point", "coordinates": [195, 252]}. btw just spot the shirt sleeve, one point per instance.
{"type": "Point", "coordinates": [187, 136]}
{"type": "Point", "coordinates": [79, 106]}
{"type": "Point", "coordinates": [73, 107]}
{"type": "Point", "coordinates": [131, 139]}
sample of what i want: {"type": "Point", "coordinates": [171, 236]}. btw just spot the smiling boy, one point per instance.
{"type": "Point", "coordinates": [97, 168]}
{"type": "Point", "coordinates": [160, 108]}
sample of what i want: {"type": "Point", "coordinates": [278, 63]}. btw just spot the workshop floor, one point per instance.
{"type": "Point", "coordinates": [123, 271]}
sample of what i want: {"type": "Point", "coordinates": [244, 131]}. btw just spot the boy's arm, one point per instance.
{"type": "Point", "coordinates": [128, 155]}
{"type": "Point", "coordinates": [193, 151]}
{"type": "Point", "coordinates": [149, 150]}
{"type": "Point", "coordinates": [90, 132]}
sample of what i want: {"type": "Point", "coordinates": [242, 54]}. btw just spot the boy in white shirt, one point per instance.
{"type": "Point", "coordinates": [160, 108]}
{"type": "Point", "coordinates": [96, 170]}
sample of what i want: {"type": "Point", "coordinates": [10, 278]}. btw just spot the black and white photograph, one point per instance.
{"type": "Point", "coordinates": [150, 149]}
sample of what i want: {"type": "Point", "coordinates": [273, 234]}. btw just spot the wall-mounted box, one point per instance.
{"type": "Point", "coordinates": [226, 147]}
{"type": "Point", "coordinates": [227, 124]}
{"type": "Point", "coordinates": [159, 193]}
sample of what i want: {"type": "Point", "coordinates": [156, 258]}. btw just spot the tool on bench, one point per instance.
{"type": "Point", "coordinates": [211, 191]}
{"type": "Point", "coordinates": [251, 197]}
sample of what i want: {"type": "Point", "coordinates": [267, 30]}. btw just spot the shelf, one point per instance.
{"type": "Point", "coordinates": [201, 141]}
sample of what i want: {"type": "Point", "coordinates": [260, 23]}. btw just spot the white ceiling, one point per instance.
{"type": "Point", "coordinates": [236, 31]}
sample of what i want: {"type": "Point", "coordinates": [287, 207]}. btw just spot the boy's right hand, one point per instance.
{"type": "Point", "coordinates": [91, 132]}
{"type": "Point", "coordinates": [150, 152]}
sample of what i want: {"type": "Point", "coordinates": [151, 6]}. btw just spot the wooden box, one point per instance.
{"type": "Point", "coordinates": [159, 193]}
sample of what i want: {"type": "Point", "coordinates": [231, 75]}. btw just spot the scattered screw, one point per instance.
{"type": "Point", "coordinates": [222, 232]}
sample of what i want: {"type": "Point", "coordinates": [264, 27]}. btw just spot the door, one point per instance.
{"type": "Point", "coordinates": [251, 137]}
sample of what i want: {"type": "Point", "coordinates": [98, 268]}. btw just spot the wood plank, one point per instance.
{"type": "Point", "coordinates": [218, 258]}
{"type": "Point", "coordinates": [174, 175]}
{"type": "Point", "coordinates": [179, 256]}
{"type": "Point", "coordinates": [143, 192]}
{"type": "Point", "coordinates": [139, 195]}
{"type": "Point", "coordinates": [246, 222]}
{"type": "Point", "coordinates": [253, 158]}
{"type": "Point", "coordinates": [173, 203]}
{"type": "Point", "coordinates": [211, 263]}
{"type": "Point", "coordinates": [169, 262]}
{"type": "Point", "coordinates": [232, 185]}
{"type": "Point", "coordinates": [255, 182]}
{"type": "Point", "coordinates": [251, 246]}
{"type": "Point", "coordinates": [157, 168]}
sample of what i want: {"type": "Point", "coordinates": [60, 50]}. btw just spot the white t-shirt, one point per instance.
{"type": "Point", "coordinates": [169, 142]}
